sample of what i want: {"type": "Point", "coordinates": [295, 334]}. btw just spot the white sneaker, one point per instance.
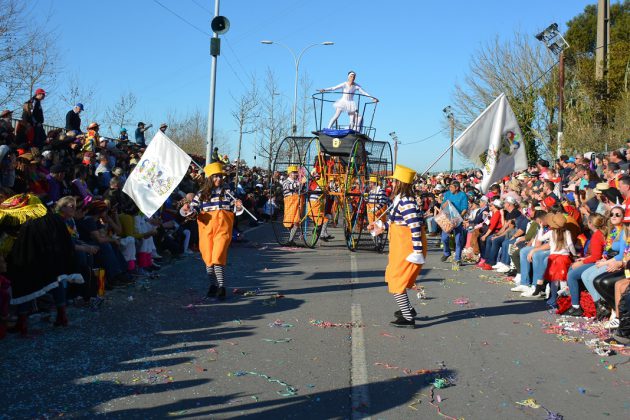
{"type": "Point", "coordinates": [503, 269]}
{"type": "Point", "coordinates": [520, 288]}
{"type": "Point", "coordinates": [564, 292]}
{"type": "Point", "coordinates": [497, 266]}
{"type": "Point", "coordinates": [529, 292]}
{"type": "Point", "coordinates": [517, 279]}
{"type": "Point", "coordinates": [611, 324]}
{"type": "Point", "coordinates": [547, 290]}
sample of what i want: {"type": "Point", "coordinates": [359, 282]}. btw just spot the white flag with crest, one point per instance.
{"type": "Point", "coordinates": [159, 170]}
{"type": "Point", "coordinates": [494, 142]}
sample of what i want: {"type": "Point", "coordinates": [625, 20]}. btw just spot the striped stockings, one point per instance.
{"type": "Point", "coordinates": [216, 274]}
{"type": "Point", "coordinates": [402, 300]}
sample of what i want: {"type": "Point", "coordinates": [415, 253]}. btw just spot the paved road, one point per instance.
{"type": "Point", "coordinates": [166, 353]}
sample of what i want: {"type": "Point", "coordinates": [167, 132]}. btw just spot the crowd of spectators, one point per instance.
{"type": "Point", "coordinates": [559, 230]}
{"type": "Point", "coordinates": [72, 178]}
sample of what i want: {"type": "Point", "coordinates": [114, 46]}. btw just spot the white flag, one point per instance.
{"type": "Point", "coordinates": [494, 142]}
{"type": "Point", "coordinates": [160, 169]}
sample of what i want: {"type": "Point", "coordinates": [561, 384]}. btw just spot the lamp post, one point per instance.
{"type": "Point", "coordinates": [296, 59]}
{"type": "Point", "coordinates": [555, 42]}
{"type": "Point", "coordinates": [394, 137]}
{"type": "Point", "coordinates": [448, 113]}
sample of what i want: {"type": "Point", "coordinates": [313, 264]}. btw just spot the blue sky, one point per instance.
{"type": "Point", "coordinates": [409, 54]}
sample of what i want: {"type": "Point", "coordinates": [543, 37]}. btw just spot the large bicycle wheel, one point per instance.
{"type": "Point", "coordinates": [288, 211]}
{"type": "Point", "coordinates": [355, 216]}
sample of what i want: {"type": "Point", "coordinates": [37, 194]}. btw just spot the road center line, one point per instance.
{"type": "Point", "coordinates": [360, 399]}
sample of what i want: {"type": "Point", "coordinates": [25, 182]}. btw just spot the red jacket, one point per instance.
{"type": "Point", "coordinates": [495, 222]}
{"type": "Point", "coordinates": [595, 248]}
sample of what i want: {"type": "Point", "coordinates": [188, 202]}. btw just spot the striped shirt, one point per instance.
{"type": "Point", "coordinates": [377, 196]}
{"type": "Point", "coordinates": [290, 187]}
{"type": "Point", "coordinates": [219, 200]}
{"type": "Point", "coordinates": [406, 213]}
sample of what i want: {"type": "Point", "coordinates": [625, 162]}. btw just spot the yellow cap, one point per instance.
{"type": "Point", "coordinates": [374, 178]}
{"type": "Point", "coordinates": [403, 174]}
{"type": "Point", "coordinates": [321, 181]}
{"type": "Point", "coordinates": [292, 168]}
{"type": "Point", "coordinates": [213, 169]}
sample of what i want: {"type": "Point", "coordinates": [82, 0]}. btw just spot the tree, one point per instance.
{"type": "Point", "coordinates": [120, 113]}
{"type": "Point", "coordinates": [74, 92]}
{"type": "Point", "coordinates": [513, 67]}
{"type": "Point", "coordinates": [14, 42]}
{"type": "Point", "coordinates": [189, 132]}
{"type": "Point", "coordinates": [245, 115]}
{"type": "Point", "coordinates": [273, 124]}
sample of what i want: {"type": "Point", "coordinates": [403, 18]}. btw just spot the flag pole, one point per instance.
{"type": "Point", "coordinates": [461, 135]}
{"type": "Point", "coordinates": [227, 192]}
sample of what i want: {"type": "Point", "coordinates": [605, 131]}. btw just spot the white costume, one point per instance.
{"type": "Point", "coordinates": [346, 103]}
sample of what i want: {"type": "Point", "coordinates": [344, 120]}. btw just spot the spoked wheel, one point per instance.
{"type": "Point", "coordinates": [314, 219]}
{"type": "Point", "coordinates": [316, 186]}
{"type": "Point", "coordinates": [288, 209]}
{"type": "Point", "coordinates": [355, 216]}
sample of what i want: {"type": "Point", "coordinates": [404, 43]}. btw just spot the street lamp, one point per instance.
{"type": "Point", "coordinates": [448, 113]}
{"type": "Point", "coordinates": [555, 42]}
{"type": "Point", "coordinates": [296, 59]}
{"type": "Point", "coordinates": [394, 137]}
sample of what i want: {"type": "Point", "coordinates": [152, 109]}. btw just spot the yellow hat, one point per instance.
{"type": "Point", "coordinates": [373, 178]}
{"type": "Point", "coordinates": [292, 168]}
{"type": "Point", "coordinates": [403, 174]}
{"type": "Point", "coordinates": [213, 169]}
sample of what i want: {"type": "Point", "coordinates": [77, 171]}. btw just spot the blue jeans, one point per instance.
{"type": "Point", "coordinates": [589, 276]}
{"type": "Point", "coordinates": [492, 248]}
{"type": "Point", "coordinates": [538, 264]}
{"type": "Point", "coordinates": [574, 277]}
{"type": "Point", "coordinates": [432, 225]}
{"type": "Point", "coordinates": [460, 241]}
{"type": "Point", "coordinates": [504, 255]}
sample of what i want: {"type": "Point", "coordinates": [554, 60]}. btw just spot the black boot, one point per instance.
{"type": "Point", "coordinates": [602, 311]}
{"type": "Point", "coordinates": [221, 293]}
{"type": "Point", "coordinates": [212, 291]}
{"type": "Point", "coordinates": [540, 288]}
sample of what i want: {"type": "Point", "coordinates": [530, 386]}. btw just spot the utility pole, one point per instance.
{"type": "Point", "coordinates": [560, 104]}
{"type": "Point", "coordinates": [603, 39]}
{"type": "Point", "coordinates": [448, 113]}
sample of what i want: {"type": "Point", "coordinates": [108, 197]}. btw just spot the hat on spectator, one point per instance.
{"type": "Point", "coordinates": [40, 91]}
{"type": "Point", "coordinates": [557, 221]}
{"type": "Point", "coordinates": [57, 169]}
{"type": "Point", "coordinates": [215, 168]}
{"type": "Point", "coordinates": [123, 130]}
{"type": "Point", "coordinates": [549, 202]}
{"type": "Point", "coordinates": [497, 203]}
{"type": "Point", "coordinates": [571, 160]}
{"type": "Point", "coordinates": [484, 198]}
{"type": "Point", "coordinates": [163, 125]}
{"type": "Point", "coordinates": [514, 185]}
{"type": "Point", "coordinates": [140, 124]}
{"type": "Point", "coordinates": [80, 106]}
{"type": "Point", "coordinates": [601, 186]}
{"type": "Point", "coordinates": [92, 125]}
{"type": "Point", "coordinates": [511, 200]}
{"type": "Point", "coordinates": [6, 113]}
{"type": "Point", "coordinates": [589, 155]}
{"type": "Point", "coordinates": [28, 156]}
{"type": "Point", "coordinates": [47, 154]}
{"type": "Point", "coordinates": [292, 168]}
{"type": "Point", "coordinates": [439, 187]}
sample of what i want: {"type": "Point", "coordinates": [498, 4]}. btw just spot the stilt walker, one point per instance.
{"type": "Point", "coordinates": [215, 209]}
{"type": "Point", "coordinates": [293, 201]}
{"type": "Point", "coordinates": [407, 245]}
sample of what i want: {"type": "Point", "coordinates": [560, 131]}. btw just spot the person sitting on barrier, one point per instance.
{"type": "Point", "coordinates": [346, 102]}
{"type": "Point", "coordinates": [291, 188]}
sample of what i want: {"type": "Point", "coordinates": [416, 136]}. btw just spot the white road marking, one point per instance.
{"type": "Point", "coordinates": [360, 400]}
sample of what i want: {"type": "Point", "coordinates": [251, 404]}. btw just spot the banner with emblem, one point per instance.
{"type": "Point", "coordinates": [494, 142]}
{"type": "Point", "coordinates": [159, 170]}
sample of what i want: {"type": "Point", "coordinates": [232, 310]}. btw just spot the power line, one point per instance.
{"type": "Point", "coordinates": [202, 7]}
{"type": "Point", "coordinates": [204, 33]}
{"type": "Point", "coordinates": [424, 139]}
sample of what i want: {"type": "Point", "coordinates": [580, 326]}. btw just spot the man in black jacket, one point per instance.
{"type": "Point", "coordinates": [73, 119]}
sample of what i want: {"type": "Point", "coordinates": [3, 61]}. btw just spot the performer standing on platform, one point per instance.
{"type": "Point", "coordinates": [346, 103]}
{"type": "Point", "coordinates": [291, 188]}
{"type": "Point", "coordinates": [215, 209]}
{"type": "Point", "coordinates": [407, 245]}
